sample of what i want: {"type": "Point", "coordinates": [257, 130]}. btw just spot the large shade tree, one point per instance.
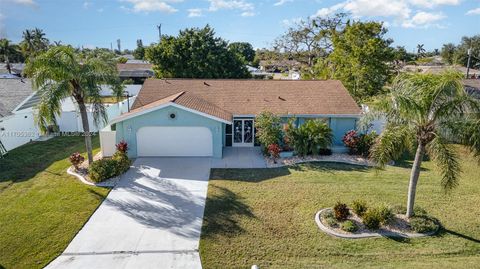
{"type": "Point", "coordinates": [195, 53]}
{"type": "Point", "coordinates": [60, 73]}
{"type": "Point", "coordinates": [427, 112]}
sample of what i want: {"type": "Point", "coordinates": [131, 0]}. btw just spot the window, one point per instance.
{"type": "Point", "coordinates": [228, 135]}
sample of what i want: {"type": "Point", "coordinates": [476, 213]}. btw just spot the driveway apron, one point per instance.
{"type": "Point", "coordinates": [151, 219]}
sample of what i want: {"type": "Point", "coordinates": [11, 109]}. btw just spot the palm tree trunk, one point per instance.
{"type": "Point", "coordinates": [86, 129]}
{"type": "Point", "coordinates": [7, 63]}
{"type": "Point", "coordinates": [412, 188]}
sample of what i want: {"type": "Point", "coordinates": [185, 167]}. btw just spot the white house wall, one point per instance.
{"type": "Point", "coordinates": [17, 130]}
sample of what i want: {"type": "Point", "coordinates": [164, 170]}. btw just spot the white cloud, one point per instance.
{"type": "Point", "coordinates": [327, 11]}
{"type": "Point", "coordinates": [153, 5]}
{"type": "Point", "coordinates": [433, 3]}
{"type": "Point", "coordinates": [379, 8]}
{"type": "Point", "coordinates": [195, 12]}
{"type": "Point", "coordinates": [25, 2]}
{"type": "Point", "coordinates": [248, 14]}
{"type": "Point", "coordinates": [290, 22]}
{"type": "Point", "coordinates": [423, 19]}
{"type": "Point", "coordinates": [87, 4]}
{"type": "Point", "coordinates": [282, 2]}
{"type": "Point", "coordinates": [230, 4]}
{"type": "Point", "coordinates": [475, 11]}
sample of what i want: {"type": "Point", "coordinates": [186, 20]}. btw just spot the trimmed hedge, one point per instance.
{"type": "Point", "coordinates": [104, 169]}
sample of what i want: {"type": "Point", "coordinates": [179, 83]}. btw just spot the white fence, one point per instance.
{"type": "Point", "coordinates": [107, 141]}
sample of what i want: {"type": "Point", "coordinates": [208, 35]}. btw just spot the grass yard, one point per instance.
{"type": "Point", "coordinates": [42, 208]}
{"type": "Point", "coordinates": [266, 217]}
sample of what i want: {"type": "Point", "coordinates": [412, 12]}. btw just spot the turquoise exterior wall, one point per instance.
{"type": "Point", "coordinates": [338, 125]}
{"type": "Point", "coordinates": [127, 129]}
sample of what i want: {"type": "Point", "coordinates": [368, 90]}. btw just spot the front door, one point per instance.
{"type": "Point", "coordinates": [243, 133]}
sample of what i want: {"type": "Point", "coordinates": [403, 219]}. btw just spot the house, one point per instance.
{"type": "Point", "coordinates": [195, 117]}
{"type": "Point", "coordinates": [137, 72]}
{"type": "Point", "coordinates": [17, 123]}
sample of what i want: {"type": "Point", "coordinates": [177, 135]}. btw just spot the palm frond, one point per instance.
{"type": "Point", "coordinates": [446, 159]}
{"type": "Point", "coordinates": [391, 144]}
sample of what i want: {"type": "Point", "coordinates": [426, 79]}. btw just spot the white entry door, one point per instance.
{"type": "Point", "coordinates": [243, 133]}
{"type": "Point", "coordinates": [153, 141]}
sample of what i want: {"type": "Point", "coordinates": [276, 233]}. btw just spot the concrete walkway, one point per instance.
{"type": "Point", "coordinates": [151, 219]}
{"type": "Point", "coordinates": [238, 157]}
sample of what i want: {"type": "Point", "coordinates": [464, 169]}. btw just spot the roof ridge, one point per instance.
{"type": "Point", "coordinates": [177, 95]}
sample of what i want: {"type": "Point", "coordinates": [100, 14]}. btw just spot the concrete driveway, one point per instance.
{"type": "Point", "coordinates": [151, 219]}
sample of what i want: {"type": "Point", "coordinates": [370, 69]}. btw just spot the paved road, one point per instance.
{"type": "Point", "coordinates": [151, 219]}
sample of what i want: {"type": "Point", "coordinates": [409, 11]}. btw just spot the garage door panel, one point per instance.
{"type": "Point", "coordinates": [155, 141]}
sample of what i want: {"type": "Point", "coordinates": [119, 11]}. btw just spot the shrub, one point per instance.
{"type": "Point", "coordinates": [341, 211]}
{"type": "Point", "coordinates": [386, 214]}
{"type": "Point", "coordinates": [102, 169]}
{"type": "Point", "coordinates": [332, 222]}
{"type": "Point", "coordinates": [76, 159]}
{"type": "Point", "coordinates": [423, 224]}
{"type": "Point", "coordinates": [310, 137]}
{"type": "Point", "coordinates": [359, 207]}
{"type": "Point", "coordinates": [349, 226]}
{"type": "Point", "coordinates": [268, 127]}
{"type": "Point", "coordinates": [359, 143]}
{"type": "Point", "coordinates": [372, 219]}
{"type": "Point", "coordinates": [123, 162]}
{"type": "Point", "coordinates": [274, 151]}
{"type": "Point", "coordinates": [122, 146]}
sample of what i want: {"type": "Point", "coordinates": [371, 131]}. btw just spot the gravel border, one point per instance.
{"type": "Point", "coordinates": [380, 233]}
{"type": "Point", "coordinates": [335, 158]}
{"type": "Point", "coordinates": [107, 183]}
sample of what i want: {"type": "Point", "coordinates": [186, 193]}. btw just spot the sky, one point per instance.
{"type": "Point", "coordinates": [99, 23]}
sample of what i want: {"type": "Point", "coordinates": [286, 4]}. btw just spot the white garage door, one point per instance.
{"type": "Point", "coordinates": [174, 141]}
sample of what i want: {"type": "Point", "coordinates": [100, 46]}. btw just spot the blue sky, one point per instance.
{"type": "Point", "coordinates": [93, 23]}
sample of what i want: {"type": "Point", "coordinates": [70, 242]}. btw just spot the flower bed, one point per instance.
{"type": "Point", "coordinates": [355, 226]}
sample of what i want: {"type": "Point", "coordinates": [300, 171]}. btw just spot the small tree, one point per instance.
{"type": "Point", "coordinates": [310, 137]}
{"type": "Point", "coordinates": [268, 127]}
{"type": "Point", "coordinates": [427, 112]}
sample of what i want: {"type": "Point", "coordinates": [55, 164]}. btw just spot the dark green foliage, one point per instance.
{"type": "Point", "coordinates": [311, 137]}
{"type": "Point", "coordinates": [102, 169]}
{"type": "Point", "coordinates": [243, 50]}
{"type": "Point", "coordinates": [195, 53]}
{"type": "Point", "coordinates": [139, 52]}
{"type": "Point", "coordinates": [330, 219]}
{"type": "Point", "coordinates": [423, 224]}
{"type": "Point", "coordinates": [349, 226]}
{"type": "Point", "coordinates": [123, 162]}
{"type": "Point", "coordinates": [372, 219]}
{"type": "Point", "coordinates": [360, 59]}
{"type": "Point", "coordinates": [341, 211]}
{"type": "Point", "coordinates": [359, 207]}
{"type": "Point", "coordinates": [386, 214]}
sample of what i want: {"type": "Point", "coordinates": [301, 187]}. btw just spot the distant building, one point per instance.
{"type": "Point", "coordinates": [437, 69]}
{"type": "Point", "coordinates": [137, 72]}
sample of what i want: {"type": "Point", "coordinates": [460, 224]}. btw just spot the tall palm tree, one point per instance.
{"type": "Point", "coordinates": [420, 50]}
{"type": "Point", "coordinates": [34, 42]}
{"type": "Point", "coordinates": [60, 73]}
{"type": "Point", "coordinates": [428, 112]}
{"type": "Point", "coordinates": [6, 49]}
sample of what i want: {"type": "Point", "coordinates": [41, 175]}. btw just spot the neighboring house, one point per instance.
{"type": "Point", "coordinates": [437, 69]}
{"type": "Point", "coordinates": [18, 103]}
{"type": "Point", "coordinates": [184, 117]}
{"type": "Point", "coordinates": [472, 86]}
{"type": "Point", "coordinates": [17, 123]}
{"type": "Point", "coordinates": [17, 68]}
{"type": "Point", "coordinates": [258, 74]}
{"type": "Point", "coordinates": [137, 72]}
{"type": "Point", "coordinates": [279, 66]}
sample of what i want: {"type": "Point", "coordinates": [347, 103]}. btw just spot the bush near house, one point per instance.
{"type": "Point", "coordinates": [104, 169]}
{"type": "Point", "coordinates": [359, 144]}
{"type": "Point", "coordinates": [76, 159]}
{"type": "Point", "coordinates": [269, 130]}
{"type": "Point", "coordinates": [274, 151]}
{"type": "Point", "coordinates": [312, 137]}
{"type": "Point", "coordinates": [341, 211]}
{"type": "Point", "coordinates": [372, 219]}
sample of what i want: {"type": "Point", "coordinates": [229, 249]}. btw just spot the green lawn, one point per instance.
{"type": "Point", "coordinates": [42, 208]}
{"type": "Point", "coordinates": [266, 217]}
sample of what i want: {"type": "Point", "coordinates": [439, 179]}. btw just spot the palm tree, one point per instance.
{"type": "Point", "coordinates": [34, 42]}
{"type": "Point", "coordinates": [428, 112]}
{"type": "Point", "coordinates": [6, 49]}
{"type": "Point", "coordinates": [60, 73]}
{"type": "Point", "coordinates": [420, 50]}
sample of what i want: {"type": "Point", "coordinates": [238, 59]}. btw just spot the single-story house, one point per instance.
{"type": "Point", "coordinates": [196, 117]}
{"type": "Point", "coordinates": [137, 72]}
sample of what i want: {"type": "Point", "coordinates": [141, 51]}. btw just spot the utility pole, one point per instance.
{"type": "Point", "coordinates": [159, 32]}
{"type": "Point", "coordinates": [119, 46]}
{"type": "Point", "coordinates": [111, 46]}
{"type": "Point", "coordinates": [468, 62]}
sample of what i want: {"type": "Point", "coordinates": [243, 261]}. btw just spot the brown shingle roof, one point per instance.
{"type": "Point", "coordinates": [250, 97]}
{"type": "Point", "coordinates": [184, 99]}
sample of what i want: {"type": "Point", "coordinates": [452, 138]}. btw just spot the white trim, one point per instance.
{"type": "Point", "coordinates": [146, 111]}
{"type": "Point", "coordinates": [23, 102]}
{"type": "Point", "coordinates": [305, 115]}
